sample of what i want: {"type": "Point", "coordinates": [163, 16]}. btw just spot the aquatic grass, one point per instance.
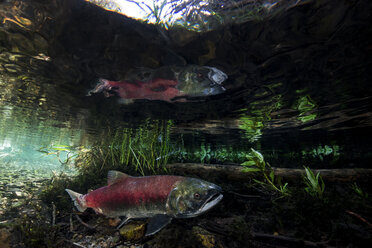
{"type": "Point", "coordinates": [64, 154]}
{"type": "Point", "coordinates": [256, 163]}
{"type": "Point", "coordinates": [358, 191]}
{"type": "Point", "coordinates": [205, 153]}
{"type": "Point", "coordinates": [35, 231]}
{"type": "Point", "coordinates": [306, 107]}
{"type": "Point", "coordinates": [314, 183]}
{"type": "Point", "coordinates": [143, 150]}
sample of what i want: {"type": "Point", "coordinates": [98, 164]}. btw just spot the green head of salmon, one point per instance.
{"type": "Point", "coordinates": [159, 198]}
{"type": "Point", "coordinates": [192, 197]}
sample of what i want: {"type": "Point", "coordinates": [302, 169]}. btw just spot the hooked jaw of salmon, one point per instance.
{"type": "Point", "coordinates": [210, 203]}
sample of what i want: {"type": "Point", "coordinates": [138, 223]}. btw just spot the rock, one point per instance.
{"type": "Point", "coordinates": [206, 239]}
{"type": "Point", "coordinates": [19, 194]}
{"type": "Point", "coordinates": [114, 222]}
{"type": "Point", "coordinates": [4, 238]}
{"type": "Point", "coordinates": [133, 230]}
{"type": "Point", "coordinates": [17, 204]}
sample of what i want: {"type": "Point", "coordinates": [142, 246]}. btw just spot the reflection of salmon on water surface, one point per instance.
{"type": "Point", "coordinates": [157, 89]}
{"type": "Point", "coordinates": [190, 81]}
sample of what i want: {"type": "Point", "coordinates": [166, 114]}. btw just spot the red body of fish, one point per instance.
{"type": "Point", "coordinates": [160, 198]}
{"type": "Point", "coordinates": [130, 192]}
{"type": "Point", "coordinates": [157, 89]}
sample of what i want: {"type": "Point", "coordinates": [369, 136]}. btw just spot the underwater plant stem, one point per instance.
{"type": "Point", "coordinates": [71, 224]}
{"type": "Point", "coordinates": [359, 217]}
{"type": "Point", "coordinates": [270, 182]}
{"type": "Point", "coordinates": [286, 241]}
{"type": "Point", "coordinates": [53, 214]}
{"type": "Point", "coordinates": [83, 223]}
{"type": "Point", "coordinates": [138, 164]}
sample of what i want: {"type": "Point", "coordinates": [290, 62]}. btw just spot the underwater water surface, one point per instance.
{"type": "Point", "coordinates": [295, 114]}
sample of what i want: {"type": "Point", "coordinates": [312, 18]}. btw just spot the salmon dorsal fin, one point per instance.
{"type": "Point", "coordinates": [115, 176]}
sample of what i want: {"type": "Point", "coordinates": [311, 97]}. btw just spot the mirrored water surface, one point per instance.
{"type": "Point", "coordinates": [303, 100]}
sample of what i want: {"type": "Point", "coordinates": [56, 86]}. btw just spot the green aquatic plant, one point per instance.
{"type": "Point", "coordinates": [252, 127]}
{"type": "Point", "coordinates": [256, 163]}
{"type": "Point", "coordinates": [206, 153]}
{"type": "Point", "coordinates": [323, 151]}
{"type": "Point", "coordinates": [254, 119]}
{"type": "Point", "coordinates": [314, 183]}
{"type": "Point", "coordinates": [145, 149]}
{"type": "Point", "coordinates": [358, 191]}
{"type": "Point", "coordinates": [64, 154]}
{"type": "Point", "coordinates": [34, 229]}
{"type": "Point", "coordinates": [306, 107]}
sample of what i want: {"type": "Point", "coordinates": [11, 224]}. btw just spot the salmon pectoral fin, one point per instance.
{"type": "Point", "coordinates": [157, 223]}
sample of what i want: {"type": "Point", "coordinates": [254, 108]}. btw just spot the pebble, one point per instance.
{"type": "Point", "coordinates": [19, 194]}
{"type": "Point", "coordinates": [17, 185]}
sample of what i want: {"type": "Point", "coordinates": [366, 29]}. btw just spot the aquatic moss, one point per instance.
{"type": "Point", "coordinates": [133, 230]}
{"type": "Point", "coordinates": [35, 231]}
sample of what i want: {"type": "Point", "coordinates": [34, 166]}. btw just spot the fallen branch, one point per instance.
{"type": "Point", "coordinates": [236, 173]}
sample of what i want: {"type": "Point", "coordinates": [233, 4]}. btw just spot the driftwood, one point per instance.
{"type": "Point", "coordinates": [236, 173]}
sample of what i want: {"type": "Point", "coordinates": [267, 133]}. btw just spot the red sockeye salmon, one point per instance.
{"type": "Point", "coordinates": [159, 198]}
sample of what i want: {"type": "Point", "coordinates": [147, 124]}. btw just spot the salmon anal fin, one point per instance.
{"type": "Point", "coordinates": [115, 176]}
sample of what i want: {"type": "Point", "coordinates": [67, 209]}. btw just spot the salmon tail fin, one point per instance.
{"type": "Point", "coordinates": [78, 200]}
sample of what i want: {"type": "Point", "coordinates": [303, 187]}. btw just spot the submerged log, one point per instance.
{"type": "Point", "coordinates": [237, 174]}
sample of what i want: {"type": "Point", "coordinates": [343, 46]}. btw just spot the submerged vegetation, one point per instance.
{"type": "Point", "coordinates": [144, 150]}
{"type": "Point", "coordinates": [256, 163]}
{"type": "Point", "coordinates": [359, 192]}
{"type": "Point", "coordinates": [314, 183]}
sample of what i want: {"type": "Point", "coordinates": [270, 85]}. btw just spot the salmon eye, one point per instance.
{"type": "Point", "coordinates": [197, 196]}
